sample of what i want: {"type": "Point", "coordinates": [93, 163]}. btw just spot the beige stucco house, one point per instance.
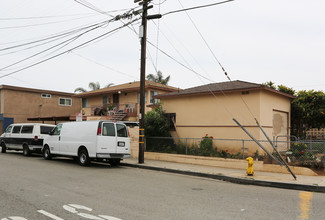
{"type": "Point", "coordinates": [210, 109]}
{"type": "Point", "coordinates": [121, 102]}
{"type": "Point", "coordinates": [33, 105]}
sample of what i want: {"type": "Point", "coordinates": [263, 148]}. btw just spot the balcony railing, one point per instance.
{"type": "Point", "coordinates": [110, 109]}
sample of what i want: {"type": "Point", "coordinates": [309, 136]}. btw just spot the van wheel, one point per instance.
{"type": "Point", "coordinates": [26, 150]}
{"type": "Point", "coordinates": [114, 162]}
{"type": "Point", "coordinates": [83, 158]}
{"type": "Point", "coordinates": [47, 153]}
{"type": "Point", "coordinates": [3, 148]}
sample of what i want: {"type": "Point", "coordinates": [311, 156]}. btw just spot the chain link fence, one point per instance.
{"type": "Point", "coordinates": [309, 153]}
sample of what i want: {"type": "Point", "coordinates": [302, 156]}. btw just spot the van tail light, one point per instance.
{"type": "Point", "coordinates": [99, 131]}
{"type": "Point", "coordinates": [128, 133]}
{"type": "Point", "coordinates": [35, 138]}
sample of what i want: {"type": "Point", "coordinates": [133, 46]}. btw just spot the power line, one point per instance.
{"type": "Point", "coordinates": [67, 51]}
{"type": "Point", "coordinates": [197, 7]}
{"type": "Point", "coordinates": [66, 41]}
{"type": "Point", "coordinates": [42, 24]}
{"type": "Point", "coordinates": [105, 66]}
{"type": "Point", "coordinates": [206, 43]}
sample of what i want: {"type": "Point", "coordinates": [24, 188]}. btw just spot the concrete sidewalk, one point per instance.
{"type": "Point", "coordinates": [279, 180]}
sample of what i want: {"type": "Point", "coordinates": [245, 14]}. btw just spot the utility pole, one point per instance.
{"type": "Point", "coordinates": [143, 36]}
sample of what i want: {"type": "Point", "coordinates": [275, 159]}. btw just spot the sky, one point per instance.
{"type": "Point", "coordinates": [253, 40]}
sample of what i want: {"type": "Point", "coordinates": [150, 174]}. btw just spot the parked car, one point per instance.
{"type": "Point", "coordinates": [88, 140]}
{"type": "Point", "coordinates": [27, 137]}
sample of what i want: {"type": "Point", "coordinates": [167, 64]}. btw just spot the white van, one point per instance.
{"type": "Point", "coordinates": [27, 137]}
{"type": "Point", "coordinates": [89, 140]}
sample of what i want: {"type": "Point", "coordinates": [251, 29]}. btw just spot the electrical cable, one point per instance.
{"type": "Point", "coordinates": [67, 51]}
{"type": "Point", "coordinates": [68, 40]}
{"type": "Point", "coordinates": [42, 24]}
{"type": "Point", "coordinates": [102, 65]}
{"type": "Point", "coordinates": [206, 43]}
{"type": "Point", "coordinates": [197, 7]}
{"type": "Point", "coordinates": [50, 39]}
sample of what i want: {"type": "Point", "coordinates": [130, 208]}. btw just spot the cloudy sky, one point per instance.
{"type": "Point", "coordinates": [254, 40]}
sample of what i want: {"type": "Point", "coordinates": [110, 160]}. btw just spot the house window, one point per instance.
{"type": "Point", "coordinates": [171, 117]}
{"type": "Point", "coordinates": [45, 95]}
{"type": "Point", "coordinates": [65, 101]}
{"type": "Point", "coordinates": [104, 100]}
{"type": "Point", "coordinates": [85, 102]}
{"type": "Point", "coordinates": [153, 100]}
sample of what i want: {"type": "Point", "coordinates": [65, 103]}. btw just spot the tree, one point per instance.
{"type": "Point", "coordinates": [287, 90]}
{"type": "Point", "coordinates": [92, 86]}
{"type": "Point", "coordinates": [158, 78]}
{"type": "Point", "coordinates": [307, 111]}
{"type": "Point", "coordinates": [270, 84]}
{"type": "Point", "coordinates": [156, 123]}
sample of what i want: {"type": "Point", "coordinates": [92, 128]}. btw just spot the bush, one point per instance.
{"type": "Point", "coordinates": [206, 145]}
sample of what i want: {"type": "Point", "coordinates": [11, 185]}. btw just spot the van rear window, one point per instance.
{"type": "Point", "coordinates": [121, 130]}
{"type": "Point", "coordinates": [108, 129]}
{"type": "Point", "coordinates": [28, 129]}
{"type": "Point", "coordinates": [46, 129]}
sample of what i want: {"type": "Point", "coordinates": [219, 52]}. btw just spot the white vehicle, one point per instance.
{"type": "Point", "coordinates": [88, 140]}
{"type": "Point", "coordinates": [27, 137]}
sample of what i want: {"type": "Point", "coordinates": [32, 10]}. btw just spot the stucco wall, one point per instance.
{"type": "Point", "coordinates": [22, 105]}
{"type": "Point", "coordinates": [197, 116]}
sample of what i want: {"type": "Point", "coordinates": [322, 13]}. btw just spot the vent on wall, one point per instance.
{"type": "Point", "coordinates": [245, 92]}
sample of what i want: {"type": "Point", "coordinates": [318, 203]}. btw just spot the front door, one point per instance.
{"type": "Point", "coordinates": [116, 100]}
{"type": "Point", "coordinates": [53, 140]}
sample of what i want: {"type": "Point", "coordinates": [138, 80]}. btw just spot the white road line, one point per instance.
{"type": "Point", "coordinates": [14, 218]}
{"type": "Point", "coordinates": [50, 215]}
{"type": "Point", "coordinates": [109, 217]}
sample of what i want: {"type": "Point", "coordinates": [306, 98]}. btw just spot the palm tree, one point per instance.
{"type": "Point", "coordinates": [92, 86]}
{"type": "Point", "coordinates": [158, 78]}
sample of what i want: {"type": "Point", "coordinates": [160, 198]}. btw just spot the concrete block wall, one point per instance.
{"type": "Point", "coordinates": [134, 141]}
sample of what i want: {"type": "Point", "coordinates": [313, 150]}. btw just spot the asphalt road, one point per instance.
{"type": "Point", "coordinates": [32, 188]}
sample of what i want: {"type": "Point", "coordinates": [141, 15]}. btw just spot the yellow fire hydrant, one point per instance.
{"type": "Point", "coordinates": [250, 169]}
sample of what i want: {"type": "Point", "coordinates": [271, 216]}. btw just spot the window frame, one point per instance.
{"type": "Point", "coordinates": [46, 95]}
{"type": "Point", "coordinates": [14, 131]}
{"type": "Point", "coordinates": [65, 103]}
{"type": "Point", "coordinates": [108, 134]}
{"type": "Point", "coordinates": [22, 131]}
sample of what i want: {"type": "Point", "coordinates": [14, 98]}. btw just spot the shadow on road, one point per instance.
{"type": "Point", "coordinates": [62, 160]}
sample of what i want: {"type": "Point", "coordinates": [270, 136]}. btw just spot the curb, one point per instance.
{"type": "Point", "coordinates": [292, 186]}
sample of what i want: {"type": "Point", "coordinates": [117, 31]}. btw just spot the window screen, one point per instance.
{"type": "Point", "coordinates": [27, 129]}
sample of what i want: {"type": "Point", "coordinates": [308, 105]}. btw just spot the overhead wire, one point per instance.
{"type": "Point", "coordinates": [213, 54]}
{"type": "Point", "coordinates": [67, 51]}
{"type": "Point", "coordinates": [206, 43]}
{"type": "Point", "coordinates": [47, 49]}
{"type": "Point", "coordinates": [105, 66]}
{"type": "Point", "coordinates": [42, 24]}
{"type": "Point", "coordinates": [197, 7]}
{"type": "Point", "coordinates": [59, 35]}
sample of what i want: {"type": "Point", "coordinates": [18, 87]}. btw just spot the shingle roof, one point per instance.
{"type": "Point", "coordinates": [222, 87]}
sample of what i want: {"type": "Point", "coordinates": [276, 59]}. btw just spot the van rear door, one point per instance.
{"type": "Point", "coordinates": [123, 141]}
{"type": "Point", "coordinates": [106, 139]}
